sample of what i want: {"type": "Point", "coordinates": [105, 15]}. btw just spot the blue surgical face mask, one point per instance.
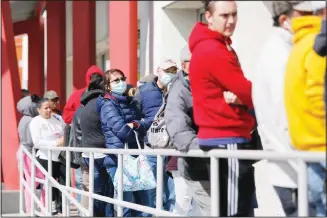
{"type": "Point", "coordinates": [119, 88]}
{"type": "Point", "coordinates": [166, 78]}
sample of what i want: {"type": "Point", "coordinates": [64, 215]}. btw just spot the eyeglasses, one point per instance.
{"type": "Point", "coordinates": [118, 80]}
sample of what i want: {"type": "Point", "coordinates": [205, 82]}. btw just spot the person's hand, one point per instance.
{"type": "Point", "coordinates": [130, 125]}
{"type": "Point", "coordinates": [231, 98]}
{"type": "Point", "coordinates": [60, 142]}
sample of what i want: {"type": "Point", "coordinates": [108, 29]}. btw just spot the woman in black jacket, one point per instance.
{"type": "Point", "coordinates": [87, 133]}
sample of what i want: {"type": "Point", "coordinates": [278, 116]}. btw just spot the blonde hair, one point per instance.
{"type": "Point", "coordinates": [132, 91]}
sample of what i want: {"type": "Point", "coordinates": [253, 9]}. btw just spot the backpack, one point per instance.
{"type": "Point", "coordinates": [157, 134]}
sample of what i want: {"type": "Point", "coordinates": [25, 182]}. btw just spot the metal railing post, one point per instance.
{"type": "Point", "coordinates": [91, 182]}
{"type": "Point", "coordinates": [33, 184]}
{"type": "Point", "coordinates": [120, 184]}
{"type": "Point", "coordinates": [214, 156]}
{"type": "Point", "coordinates": [302, 189]}
{"type": "Point", "coordinates": [49, 186]}
{"type": "Point", "coordinates": [21, 178]}
{"type": "Point", "coordinates": [214, 186]}
{"type": "Point", "coordinates": [65, 201]}
{"type": "Point", "coordinates": [160, 177]}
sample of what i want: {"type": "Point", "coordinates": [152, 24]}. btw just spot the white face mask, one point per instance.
{"type": "Point", "coordinates": [287, 25]}
{"type": "Point", "coordinates": [166, 78]}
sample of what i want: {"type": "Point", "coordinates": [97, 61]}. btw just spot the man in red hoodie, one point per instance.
{"type": "Point", "coordinates": [215, 71]}
{"type": "Point", "coordinates": [74, 100]}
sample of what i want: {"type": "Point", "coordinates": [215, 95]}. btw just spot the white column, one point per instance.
{"type": "Point", "coordinates": [24, 61]}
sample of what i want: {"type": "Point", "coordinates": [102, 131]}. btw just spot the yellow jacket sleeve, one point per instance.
{"type": "Point", "coordinates": [315, 66]}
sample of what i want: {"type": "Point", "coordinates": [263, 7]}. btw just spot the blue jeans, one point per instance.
{"type": "Point", "coordinates": [288, 198]}
{"type": "Point", "coordinates": [102, 186]}
{"type": "Point", "coordinates": [138, 197]}
{"type": "Point", "coordinates": [168, 186]}
{"type": "Point", "coordinates": [316, 184]}
{"type": "Point", "coordinates": [78, 184]}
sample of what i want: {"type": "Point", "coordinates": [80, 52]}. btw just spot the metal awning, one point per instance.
{"type": "Point", "coordinates": [22, 10]}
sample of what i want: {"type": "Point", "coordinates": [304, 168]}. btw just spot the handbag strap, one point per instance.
{"type": "Point", "coordinates": [137, 141]}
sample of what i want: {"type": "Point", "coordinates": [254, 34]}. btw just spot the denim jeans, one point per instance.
{"type": "Point", "coordinates": [168, 186]}
{"type": "Point", "coordinates": [316, 183]}
{"type": "Point", "coordinates": [138, 197]}
{"type": "Point", "coordinates": [102, 186]}
{"type": "Point", "coordinates": [78, 182]}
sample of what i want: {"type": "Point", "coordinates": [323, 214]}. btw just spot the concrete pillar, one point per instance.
{"type": "Point", "coordinates": [56, 48]}
{"type": "Point", "coordinates": [83, 40]}
{"type": "Point", "coordinates": [36, 57]}
{"type": "Point", "coordinates": [123, 36]}
{"type": "Point", "coordinates": [10, 90]}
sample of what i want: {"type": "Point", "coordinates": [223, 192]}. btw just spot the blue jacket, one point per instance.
{"type": "Point", "coordinates": [116, 111]}
{"type": "Point", "coordinates": [149, 98]}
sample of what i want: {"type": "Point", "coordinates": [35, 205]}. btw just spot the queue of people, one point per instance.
{"type": "Point", "coordinates": [207, 104]}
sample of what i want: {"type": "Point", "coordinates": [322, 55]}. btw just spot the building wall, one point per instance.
{"type": "Point", "coordinates": [164, 30]}
{"type": "Point", "coordinates": [173, 25]}
{"type": "Point", "coordinates": [102, 45]}
{"type": "Point", "coordinates": [171, 31]}
{"type": "Point", "coordinates": [102, 42]}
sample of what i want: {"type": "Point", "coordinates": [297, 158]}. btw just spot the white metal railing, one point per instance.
{"type": "Point", "coordinates": [214, 155]}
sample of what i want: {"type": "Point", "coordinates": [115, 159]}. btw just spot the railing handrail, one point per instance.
{"type": "Point", "coordinates": [300, 156]}
{"type": "Point", "coordinates": [219, 153]}
{"type": "Point", "coordinates": [52, 180]}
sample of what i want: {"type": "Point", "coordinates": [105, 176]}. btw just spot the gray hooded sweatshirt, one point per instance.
{"type": "Point", "coordinates": [28, 109]}
{"type": "Point", "coordinates": [182, 129]}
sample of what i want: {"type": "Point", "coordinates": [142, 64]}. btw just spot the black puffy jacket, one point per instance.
{"type": "Point", "coordinates": [92, 135]}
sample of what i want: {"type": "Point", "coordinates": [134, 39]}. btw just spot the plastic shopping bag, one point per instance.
{"type": "Point", "coordinates": [137, 173]}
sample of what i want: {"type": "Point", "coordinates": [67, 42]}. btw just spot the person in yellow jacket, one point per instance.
{"type": "Point", "coordinates": [304, 102]}
{"type": "Point", "coordinates": [304, 87]}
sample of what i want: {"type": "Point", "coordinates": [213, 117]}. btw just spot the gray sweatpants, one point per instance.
{"type": "Point", "coordinates": [200, 193]}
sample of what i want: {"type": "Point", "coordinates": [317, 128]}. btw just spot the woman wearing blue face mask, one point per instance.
{"type": "Point", "coordinates": [120, 117]}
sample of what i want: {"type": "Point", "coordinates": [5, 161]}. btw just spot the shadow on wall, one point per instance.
{"type": "Point", "coordinates": [254, 26]}
{"type": "Point", "coordinates": [145, 36]}
{"type": "Point", "coordinates": [183, 20]}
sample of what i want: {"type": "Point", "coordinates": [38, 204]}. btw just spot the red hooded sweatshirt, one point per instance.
{"type": "Point", "coordinates": [74, 100]}
{"type": "Point", "coordinates": [214, 68]}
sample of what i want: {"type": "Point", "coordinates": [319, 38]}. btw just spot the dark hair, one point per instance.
{"type": "Point", "coordinates": [96, 82]}
{"type": "Point", "coordinates": [209, 5]}
{"type": "Point", "coordinates": [107, 76]}
{"type": "Point", "coordinates": [25, 93]}
{"type": "Point", "coordinates": [276, 18]}
{"type": "Point", "coordinates": [35, 98]}
{"type": "Point", "coordinates": [40, 102]}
